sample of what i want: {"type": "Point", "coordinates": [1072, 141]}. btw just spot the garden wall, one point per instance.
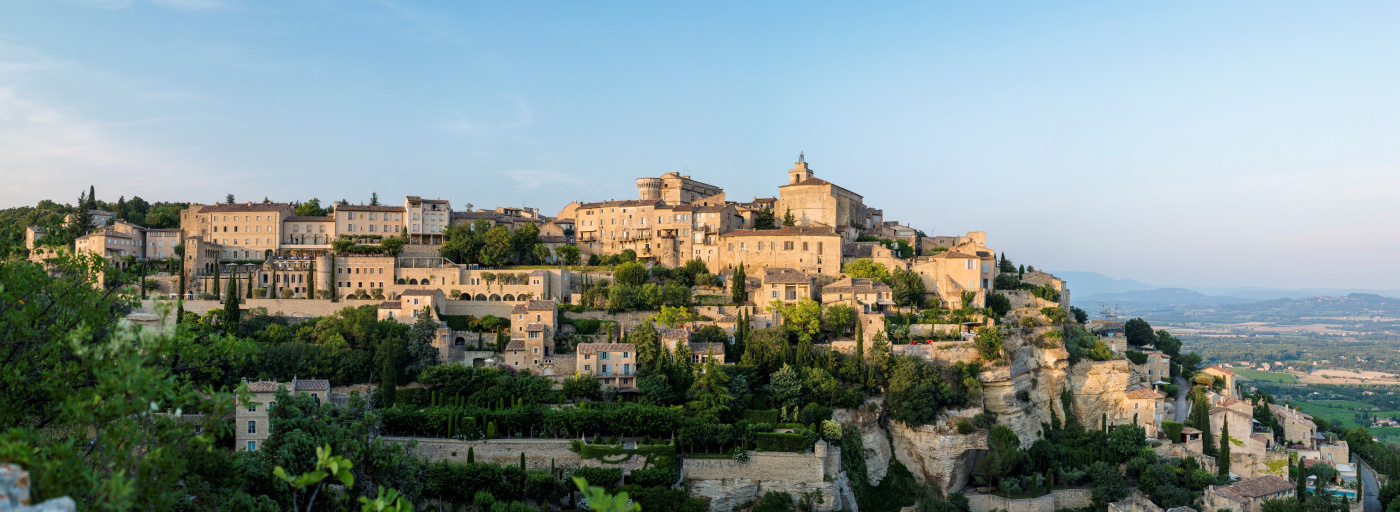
{"type": "Point", "coordinates": [1057, 499]}
{"type": "Point", "coordinates": [765, 466]}
{"type": "Point", "coordinates": [288, 307]}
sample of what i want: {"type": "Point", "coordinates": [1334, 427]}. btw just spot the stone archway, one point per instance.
{"type": "Point", "coordinates": [480, 296]}
{"type": "Point", "coordinates": [494, 298]}
{"type": "Point", "coordinates": [508, 298]}
{"type": "Point", "coordinates": [465, 296]}
{"type": "Point", "coordinates": [413, 281]}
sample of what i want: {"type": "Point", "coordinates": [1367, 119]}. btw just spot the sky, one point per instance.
{"type": "Point", "coordinates": [1175, 143]}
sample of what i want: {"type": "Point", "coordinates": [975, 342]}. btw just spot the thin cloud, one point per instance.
{"type": "Point", "coordinates": [528, 180]}
{"type": "Point", "coordinates": [524, 117]}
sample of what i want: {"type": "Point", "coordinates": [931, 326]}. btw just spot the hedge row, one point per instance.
{"type": "Point", "coordinates": [630, 420]}
{"type": "Point", "coordinates": [769, 416]}
{"type": "Point", "coordinates": [777, 442]}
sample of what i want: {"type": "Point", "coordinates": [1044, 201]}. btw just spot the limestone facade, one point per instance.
{"type": "Point", "coordinates": [813, 201]}
{"type": "Point", "coordinates": [813, 250]}
{"type": "Point", "coordinates": [251, 425]}
{"type": "Point", "coordinates": [674, 188]}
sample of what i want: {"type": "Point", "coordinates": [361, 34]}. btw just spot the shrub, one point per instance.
{"type": "Point", "coordinates": [1023, 395]}
{"type": "Point", "coordinates": [604, 477]}
{"type": "Point", "coordinates": [769, 416]}
{"type": "Point", "coordinates": [813, 413]}
{"type": "Point", "coordinates": [1173, 430]}
{"type": "Point", "coordinates": [1056, 314]}
{"type": "Point", "coordinates": [1136, 357]}
{"type": "Point", "coordinates": [830, 431]}
{"type": "Point", "coordinates": [654, 477]}
{"type": "Point", "coordinates": [964, 427]}
{"type": "Point", "coordinates": [491, 430]}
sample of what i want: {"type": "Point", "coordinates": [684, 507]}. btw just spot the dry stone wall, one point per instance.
{"type": "Point", "coordinates": [729, 484]}
{"type": "Point", "coordinates": [539, 453]}
{"type": "Point", "coordinates": [1057, 499]}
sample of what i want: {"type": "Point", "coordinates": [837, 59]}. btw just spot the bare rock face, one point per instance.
{"type": "Point", "coordinates": [1098, 388]}
{"type": "Point", "coordinates": [872, 436]}
{"type": "Point", "coordinates": [1021, 394]}
{"type": "Point", "coordinates": [937, 453]}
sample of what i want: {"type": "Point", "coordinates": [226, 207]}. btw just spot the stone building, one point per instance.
{"type": "Point", "coordinates": [245, 231]}
{"type": "Point", "coordinates": [967, 268]}
{"type": "Point", "coordinates": [671, 338]}
{"type": "Point", "coordinates": [1156, 369]}
{"type": "Point", "coordinates": [1298, 428]}
{"type": "Point", "coordinates": [365, 223]}
{"type": "Point", "coordinates": [1223, 373]}
{"type": "Point", "coordinates": [1039, 278]}
{"type": "Point", "coordinates": [613, 364]}
{"type": "Point", "coordinates": [425, 219]}
{"type": "Point", "coordinates": [875, 252]}
{"type": "Point", "coordinates": [411, 303]}
{"type": "Point", "coordinates": [786, 285]}
{"type": "Point", "coordinates": [700, 353]}
{"type": "Point", "coordinates": [1247, 495]}
{"type": "Point", "coordinates": [813, 250]}
{"type": "Point", "coordinates": [673, 188]}
{"type": "Point", "coordinates": [1241, 426]}
{"type": "Point", "coordinates": [251, 425]}
{"type": "Point", "coordinates": [863, 295]}
{"type": "Point", "coordinates": [813, 201]}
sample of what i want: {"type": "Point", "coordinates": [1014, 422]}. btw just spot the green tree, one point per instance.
{"type": "Point", "coordinates": [766, 349]}
{"type": "Point", "coordinates": [763, 219]}
{"type": "Point", "coordinates": [907, 288]}
{"type": "Point", "coordinates": [737, 286]}
{"type": "Point", "coordinates": [990, 343]}
{"type": "Point", "coordinates": [999, 304]}
{"type": "Point", "coordinates": [804, 317]}
{"type": "Point", "coordinates": [388, 384]}
{"type": "Point", "coordinates": [786, 387]}
{"type": "Point", "coordinates": [581, 386]}
{"type": "Point", "coordinates": [311, 208]}
{"type": "Point", "coordinates": [840, 319]}
{"type": "Point", "coordinates": [672, 317]}
{"type": "Point", "coordinates": [496, 247]}
{"type": "Point", "coordinates": [568, 253]}
{"type": "Point", "coordinates": [630, 274]}
{"type": "Point", "coordinates": [1139, 332]}
{"type": "Point", "coordinates": [1109, 485]}
{"type": "Point", "coordinates": [1003, 456]}
{"type": "Point", "coordinates": [710, 396]}
{"type": "Point", "coordinates": [648, 343]}
{"type": "Point", "coordinates": [392, 245]}
{"type": "Point", "coordinates": [421, 352]}
{"type": "Point", "coordinates": [866, 268]}
{"type": "Point", "coordinates": [788, 219]}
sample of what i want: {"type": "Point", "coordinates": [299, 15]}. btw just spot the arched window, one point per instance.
{"type": "Point", "coordinates": [508, 298]}
{"type": "Point", "coordinates": [413, 281]}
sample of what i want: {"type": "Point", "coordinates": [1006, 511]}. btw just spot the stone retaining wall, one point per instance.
{"type": "Point", "coordinates": [765, 466]}
{"type": "Point", "coordinates": [1057, 499]}
{"type": "Point", "coordinates": [324, 307]}
{"type": "Point", "coordinates": [538, 452]}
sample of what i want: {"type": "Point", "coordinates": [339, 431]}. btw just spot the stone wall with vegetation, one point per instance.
{"type": "Point", "coordinates": [1057, 499]}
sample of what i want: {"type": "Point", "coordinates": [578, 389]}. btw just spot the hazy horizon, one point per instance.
{"type": "Point", "coordinates": [1172, 144]}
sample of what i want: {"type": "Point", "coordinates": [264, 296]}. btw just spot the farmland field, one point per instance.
{"type": "Point", "coordinates": [1264, 376]}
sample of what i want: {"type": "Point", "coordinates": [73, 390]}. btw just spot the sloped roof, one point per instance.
{"type": "Point", "coordinates": [1219, 368]}
{"type": "Point", "coordinates": [390, 304]}
{"type": "Point", "coordinates": [856, 285]}
{"type": "Point", "coordinates": [313, 385]}
{"type": "Point", "coordinates": [533, 327]}
{"type": "Point", "coordinates": [368, 208]}
{"type": "Point", "coordinates": [539, 305]}
{"type": "Point", "coordinates": [1144, 393]}
{"type": "Point", "coordinates": [515, 345]}
{"type": "Point", "coordinates": [263, 386]}
{"type": "Point", "coordinates": [297, 218]}
{"type": "Point", "coordinates": [519, 309]}
{"type": "Point", "coordinates": [1261, 486]}
{"type": "Point", "coordinates": [785, 275]}
{"type": "Point", "coordinates": [245, 207]}
{"type": "Point", "coordinates": [706, 348]}
{"type": "Point", "coordinates": [594, 348]}
{"type": "Point", "coordinates": [417, 292]}
{"type": "Point", "coordinates": [675, 334]}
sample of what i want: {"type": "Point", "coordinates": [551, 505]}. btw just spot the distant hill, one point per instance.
{"type": "Point", "coordinates": [1153, 298]}
{"type": "Point", "coordinates": [1094, 283]}
{"type": "Point", "coordinates": [1258, 293]}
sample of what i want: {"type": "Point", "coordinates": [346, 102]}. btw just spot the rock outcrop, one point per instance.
{"type": "Point", "coordinates": [938, 453]}
{"type": "Point", "coordinates": [1098, 387]}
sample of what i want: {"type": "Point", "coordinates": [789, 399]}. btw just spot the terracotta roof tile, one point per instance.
{"type": "Point", "coordinates": [594, 348]}
{"type": "Point", "coordinates": [1261, 486]}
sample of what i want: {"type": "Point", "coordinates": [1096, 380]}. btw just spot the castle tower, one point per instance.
{"type": "Point", "coordinates": [799, 171]}
{"type": "Point", "coordinates": [648, 189]}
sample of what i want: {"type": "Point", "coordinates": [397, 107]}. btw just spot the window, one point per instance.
{"type": "Point", "coordinates": [969, 265]}
{"type": "Point", "coordinates": [602, 355]}
{"type": "Point", "coordinates": [804, 246]}
{"type": "Point", "coordinates": [787, 246]}
{"type": "Point", "coordinates": [252, 446]}
{"type": "Point", "coordinates": [775, 294]}
{"type": "Point", "coordinates": [252, 407]}
{"type": "Point", "coordinates": [625, 355]}
{"type": "Point", "coordinates": [252, 427]}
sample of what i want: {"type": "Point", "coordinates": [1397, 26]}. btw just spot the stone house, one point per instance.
{"type": "Point", "coordinates": [673, 188]}
{"type": "Point", "coordinates": [785, 284]}
{"type": "Point", "coordinates": [251, 425]}
{"type": "Point", "coordinates": [1044, 279]}
{"type": "Point", "coordinates": [864, 295]}
{"type": "Point", "coordinates": [811, 249]}
{"type": "Point", "coordinates": [700, 353]}
{"type": "Point", "coordinates": [1223, 373]}
{"type": "Point", "coordinates": [1247, 495]}
{"type": "Point", "coordinates": [1156, 369]}
{"type": "Point", "coordinates": [613, 364]}
{"type": "Point", "coordinates": [671, 338]}
{"type": "Point", "coordinates": [425, 219]}
{"type": "Point", "coordinates": [1241, 429]}
{"type": "Point", "coordinates": [965, 268]}
{"type": "Point", "coordinates": [245, 231]}
{"type": "Point", "coordinates": [873, 251]}
{"type": "Point", "coordinates": [1298, 428]}
{"type": "Point", "coordinates": [363, 223]}
{"type": "Point", "coordinates": [410, 303]}
{"type": "Point", "coordinates": [1144, 405]}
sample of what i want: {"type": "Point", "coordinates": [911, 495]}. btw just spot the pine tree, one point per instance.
{"type": "Point", "coordinates": [272, 287]}
{"type": "Point", "coordinates": [788, 219]}
{"type": "Point", "coordinates": [522, 461]}
{"type": "Point", "coordinates": [121, 208]}
{"type": "Point", "coordinates": [737, 287]}
{"type": "Point", "coordinates": [1222, 456]}
{"type": "Point", "coordinates": [229, 198]}
{"type": "Point", "coordinates": [374, 199]}
{"type": "Point", "coordinates": [232, 313]}
{"type": "Point", "coordinates": [91, 198]}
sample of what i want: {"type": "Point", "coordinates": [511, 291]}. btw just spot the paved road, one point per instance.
{"type": "Point", "coordinates": [1369, 486]}
{"type": "Point", "coordinates": [1182, 406]}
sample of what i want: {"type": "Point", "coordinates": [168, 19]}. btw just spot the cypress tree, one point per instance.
{"type": "Point", "coordinates": [250, 284]}
{"type": "Point", "coordinates": [180, 301]}
{"type": "Point", "coordinates": [522, 461]}
{"type": "Point", "coordinates": [1222, 456]}
{"type": "Point", "coordinates": [311, 281]}
{"type": "Point", "coordinates": [232, 313]}
{"type": "Point", "coordinates": [335, 293]}
{"type": "Point", "coordinates": [737, 288]}
{"type": "Point", "coordinates": [471, 455]}
{"type": "Point", "coordinates": [91, 198]}
{"type": "Point", "coordinates": [1302, 482]}
{"type": "Point", "coordinates": [272, 287]}
{"type": "Point", "coordinates": [217, 270]}
{"type": "Point", "coordinates": [388, 385]}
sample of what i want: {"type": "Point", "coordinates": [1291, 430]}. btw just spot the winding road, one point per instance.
{"type": "Point", "coordinates": [1370, 488]}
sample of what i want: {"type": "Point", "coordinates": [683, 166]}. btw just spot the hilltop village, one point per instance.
{"type": "Point", "coordinates": [796, 352]}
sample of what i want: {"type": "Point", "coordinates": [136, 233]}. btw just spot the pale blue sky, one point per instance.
{"type": "Point", "coordinates": [1173, 143]}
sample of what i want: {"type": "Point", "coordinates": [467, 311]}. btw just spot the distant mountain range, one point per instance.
{"type": "Point", "coordinates": [1089, 289]}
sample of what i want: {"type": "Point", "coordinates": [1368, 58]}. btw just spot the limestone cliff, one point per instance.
{"type": "Point", "coordinates": [938, 453]}
{"type": "Point", "coordinates": [1098, 387]}
{"type": "Point", "coordinates": [1022, 392]}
